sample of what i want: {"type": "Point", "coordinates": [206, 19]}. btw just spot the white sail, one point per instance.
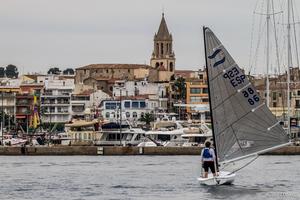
{"type": "Point", "coordinates": [242, 123]}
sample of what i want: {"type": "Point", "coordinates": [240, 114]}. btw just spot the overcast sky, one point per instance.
{"type": "Point", "coordinates": [38, 34]}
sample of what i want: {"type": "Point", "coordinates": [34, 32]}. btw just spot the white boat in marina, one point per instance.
{"type": "Point", "coordinates": [8, 140]}
{"type": "Point", "coordinates": [81, 132]}
{"type": "Point", "coordinates": [196, 135]}
{"type": "Point", "coordinates": [243, 127]}
{"type": "Point", "coordinates": [124, 135]}
{"type": "Point", "coordinates": [165, 132]}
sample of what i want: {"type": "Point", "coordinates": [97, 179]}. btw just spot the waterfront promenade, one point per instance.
{"type": "Point", "coordinates": [115, 150]}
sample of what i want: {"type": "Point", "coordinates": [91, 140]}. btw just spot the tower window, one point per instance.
{"type": "Point", "coordinates": [156, 64]}
{"type": "Point", "coordinates": [161, 48]}
{"type": "Point", "coordinates": [171, 67]}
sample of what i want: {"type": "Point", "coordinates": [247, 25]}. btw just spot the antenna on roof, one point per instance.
{"type": "Point", "coordinates": [163, 10]}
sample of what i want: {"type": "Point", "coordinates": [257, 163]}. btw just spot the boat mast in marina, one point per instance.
{"type": "Point", "coordinates": [289, 54]}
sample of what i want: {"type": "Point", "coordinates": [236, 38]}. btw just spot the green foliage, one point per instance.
{"type": "Point", "coordinates": [147, 118]}
{"type": "Point", "coordinates": [68, 71]}
{"type": "Point", "coordinates": [2, 72]}
{"type": "Point", "coordinates": [11, 71]}
{"type": "Point", "coordinates": [179, 87]}
{"type": "Point", "coordinates": [54, 70]}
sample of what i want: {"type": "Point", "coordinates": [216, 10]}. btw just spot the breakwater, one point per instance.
{"type": "Point", "coordinates": [115, 150]}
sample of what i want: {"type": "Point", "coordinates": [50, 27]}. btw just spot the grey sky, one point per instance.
{"type": "Point", "coordinates": [37, 34]}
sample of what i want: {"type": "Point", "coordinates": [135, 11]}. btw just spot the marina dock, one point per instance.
{"type": "Point", "coordinates": [119, 151]}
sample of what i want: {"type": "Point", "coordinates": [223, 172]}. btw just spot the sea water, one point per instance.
{"type": "Point", "coordinates": [142, 177]}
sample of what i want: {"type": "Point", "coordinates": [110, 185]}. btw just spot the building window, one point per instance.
{"type": "Point", "coordinates": [142, 104]}
{"type": "Point", "coordinates": [127, 104]}
{"type": "Point", "coordinates": [205, 90]}
{"type": "Point", "coordinates": [127, 114]}
{"type": "Point", "coordinates": [274, 104]}
{"type": "Point", "coordinates": [142, 115]}
{"type": "Point", "coordinates": [297, 103]}
{"type": "Point", "coordinates": [135, 104]}
{"type": "Point", "coordinates": [274, 95]}
{"type": "Point", "coordinates": [111, 105]}
{"type": "Point", "coordinates": [200, 76]}
{"type": "Point", "coordinates": [107, 71]}
{"type": "Point", "coordinates": [204, 100]}
{"type": "Point", "coordinates": [195, 90]}
{"type": "Point", "coordinates": [298, 92]}
{"type": "Point", "coordinates": [171, 67]}
{"type": "Point", "coordinates": [134, 115]}
{"type": "Point", "coordinates": [195, 99]}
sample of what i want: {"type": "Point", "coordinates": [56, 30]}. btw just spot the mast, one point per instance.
{"type": "Point", "coordinates": [268, 53]}
{"type": "Point", "coordinates": [209, 98]}
{"type": "Point", "coordinates": [288, 66]}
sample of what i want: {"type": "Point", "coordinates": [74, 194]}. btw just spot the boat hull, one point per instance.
{"type": "Point", "coordinates": [224, 178]}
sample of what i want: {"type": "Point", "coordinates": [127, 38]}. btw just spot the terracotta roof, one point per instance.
{"type": "Point", "coordinates": [115, 66]}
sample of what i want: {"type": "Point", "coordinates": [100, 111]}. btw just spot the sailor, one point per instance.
{"type": "Point", "coordinates": [208, 158]}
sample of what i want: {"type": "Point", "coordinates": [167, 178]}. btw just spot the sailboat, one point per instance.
{"type": "Point", "coordinates": [242, 124]}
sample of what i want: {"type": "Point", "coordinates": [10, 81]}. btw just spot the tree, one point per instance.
{"type": "Point", "coordinates": [179, 87]}
{"type": "Point", "coordinates": [2, 72]}
{"type": "Point", "coordinates": [54, 70]}
{"type": "Point", "coordinates": [68, 71]}
{"type": "Point", "coordinates": [11, 71]}
{"type": "Point", "coordinates": [147, 118]}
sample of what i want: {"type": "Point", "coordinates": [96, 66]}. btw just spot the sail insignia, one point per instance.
{"type": "Point", "coordinates": [214, 54]}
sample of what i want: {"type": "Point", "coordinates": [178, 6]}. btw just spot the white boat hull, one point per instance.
{"type": "Point", "coordinates": [223, 178]}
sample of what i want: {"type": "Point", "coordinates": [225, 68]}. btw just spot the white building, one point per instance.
{"type": "Point", "coordinates": [155, 93]}
{"type": "Point", "coordinates": [85, 102]}
{"type": "Point", "coordinates": [133, 110]}
{"type": "Point", "coordinates": [56, 99]}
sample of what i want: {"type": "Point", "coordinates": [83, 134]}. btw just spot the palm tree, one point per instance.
{"type": "Point", "coordinates": [147, 118]}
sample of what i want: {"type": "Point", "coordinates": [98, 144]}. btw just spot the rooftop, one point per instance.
{"type": "Point", "coordinates": [115, 66]}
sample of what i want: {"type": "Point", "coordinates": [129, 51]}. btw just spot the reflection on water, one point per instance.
{"type": "Point", "coordinates": [142, 177]}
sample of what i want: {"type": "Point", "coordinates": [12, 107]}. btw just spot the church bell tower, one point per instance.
{"type": "Point", "coordinates": [163, 57]}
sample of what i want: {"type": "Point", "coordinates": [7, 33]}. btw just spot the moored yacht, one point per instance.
{"type": "Point", "coordinates": [83, 132]}
{"type": "Point", "coordinates": [165, 132]}
{"type": "Point", "coordinates": [115, 134]}
{"type": "Point", "coordinates": [196, 135]}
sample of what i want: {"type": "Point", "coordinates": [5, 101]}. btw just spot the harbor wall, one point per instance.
{"type": "Point", "coordinates": [116, 151]}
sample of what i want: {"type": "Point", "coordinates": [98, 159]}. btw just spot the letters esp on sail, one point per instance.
{"type": "Point", "coordinates": [242, 123]}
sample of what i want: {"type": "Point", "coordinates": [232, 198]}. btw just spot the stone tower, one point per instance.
{"type": "Point", "coordinates": [163, 57]}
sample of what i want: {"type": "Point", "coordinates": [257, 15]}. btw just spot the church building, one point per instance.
{"type": "Point", "coordinates": [163, 57]}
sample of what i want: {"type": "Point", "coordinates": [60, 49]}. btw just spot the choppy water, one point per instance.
{"type": "Point", "coordinates": [142, 177]}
